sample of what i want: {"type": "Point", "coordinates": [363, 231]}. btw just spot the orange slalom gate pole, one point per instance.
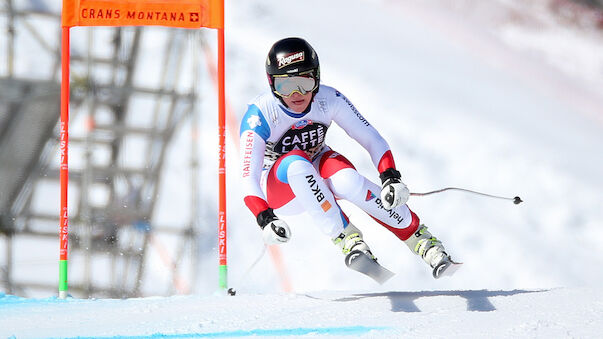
{"type": "Point", "coordinates": [171, 13]}
{"type": "Point", "coordinates": [64, 169]}
{"type": "Point", "coordinates": [223, 270]}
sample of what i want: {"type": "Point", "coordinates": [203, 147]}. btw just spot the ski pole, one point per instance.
{"type": "Point", "coordinates": [232, 291]}
{"type": "Point", "coordinates": [516, 200]}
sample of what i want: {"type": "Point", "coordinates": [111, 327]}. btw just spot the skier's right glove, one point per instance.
{"type": "Point", "coordinates": [274, 230]}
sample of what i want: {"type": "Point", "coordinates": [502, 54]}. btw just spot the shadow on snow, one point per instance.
{"type": "Point", "coordinates": [477, 300]}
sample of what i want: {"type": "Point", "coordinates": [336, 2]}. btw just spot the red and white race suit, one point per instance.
{"type": "Point", "coordinates": [287, 166]}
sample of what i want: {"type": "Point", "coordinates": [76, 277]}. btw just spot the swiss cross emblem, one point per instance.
{"type": "Point", "coordinates": [194, 17]}
{"type": "Point", "coordinates": [254, 121]}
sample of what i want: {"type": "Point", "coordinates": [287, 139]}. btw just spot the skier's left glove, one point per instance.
{"type": "Point", "coordinates": [274, 230]}
{"type": "Point", "coordinates": [393, 192]}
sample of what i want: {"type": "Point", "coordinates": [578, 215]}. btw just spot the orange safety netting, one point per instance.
{"type": "Point", "coordinates": [171, 13]}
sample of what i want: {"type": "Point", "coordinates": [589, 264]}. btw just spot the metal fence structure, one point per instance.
{"type": "Point", "coordinates": [129, 119]}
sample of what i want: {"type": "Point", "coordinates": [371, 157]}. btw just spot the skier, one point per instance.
{"type": "Point", "coordinates": [287, 168]}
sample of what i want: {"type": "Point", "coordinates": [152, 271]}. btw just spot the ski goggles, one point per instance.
{"type": "Point", "coordinates": [285, 85]}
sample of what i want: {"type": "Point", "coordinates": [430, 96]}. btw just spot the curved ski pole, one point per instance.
{"type": "Point", "coordinates": [232, 291]}
{"type": "Point", "coordinates": [516, 200]}
{"type": "Point", "coordinates": [256, 261]}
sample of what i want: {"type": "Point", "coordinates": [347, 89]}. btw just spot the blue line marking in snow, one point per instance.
{"type": "Point", "coordinates": [350, 330]}
{"type": "Point", "coordinates": [7, 299]}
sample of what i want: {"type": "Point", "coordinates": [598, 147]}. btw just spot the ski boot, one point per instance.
{"type": "Point", "coordinates": [358, 256]}
{"type": "Point", "coordinates": [350, 240]}
{"type": "Point", "coordinates": [432, 251]}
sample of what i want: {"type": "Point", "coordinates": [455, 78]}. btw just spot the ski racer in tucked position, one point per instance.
{"type": "Point", "coordinates": [288, 168]}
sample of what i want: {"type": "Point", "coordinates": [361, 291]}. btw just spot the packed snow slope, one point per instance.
{"type": "Point", "coordinates": [552, 313]}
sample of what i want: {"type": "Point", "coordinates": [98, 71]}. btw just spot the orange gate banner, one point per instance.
{"type": "Point", "coordinates": [171, 13]}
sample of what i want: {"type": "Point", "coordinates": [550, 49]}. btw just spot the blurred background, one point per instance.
{"type": "Point", "coordinates": [133, 89]}
{"type": "Point", "coordinates": [501, 96]}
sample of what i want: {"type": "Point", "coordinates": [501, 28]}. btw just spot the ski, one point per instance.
{"type": "Point", "coordinates": [361, 262]}
{"type": "Point", "coordinates": [446, 268]}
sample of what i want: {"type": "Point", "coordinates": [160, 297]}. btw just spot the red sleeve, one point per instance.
{"type": "Point", "coordinates": [255, 204]}
{"type": "Point", "coordinates": [387, 161]}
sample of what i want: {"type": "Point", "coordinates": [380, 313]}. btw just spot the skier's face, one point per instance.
{"type": "Point", "coordinates": [298, 102]}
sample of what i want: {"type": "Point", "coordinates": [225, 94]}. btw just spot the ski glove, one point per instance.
{"type": "Point", "coordinates": [274, 230]}
{"type": "Point", "coordinates": [394, 192]}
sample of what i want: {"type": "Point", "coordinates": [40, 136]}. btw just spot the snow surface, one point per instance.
{"type": "Point", "coordinates": [462, 104]}
{"type": "Point", "coordinates": [551, 313]}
